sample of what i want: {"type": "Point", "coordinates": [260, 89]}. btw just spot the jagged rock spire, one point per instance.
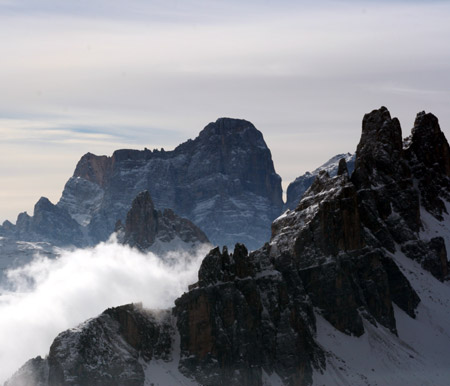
{"type": "Point", "coordinates": [380, 147]}
{"type": "Point", "coordinates": [342, 168]}
{"type": "Point", "coordinates": [145, 225]}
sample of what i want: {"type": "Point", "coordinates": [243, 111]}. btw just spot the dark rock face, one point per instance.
{"type": "Point", "coordinates": [343, 276]}
{"type": "Point", "coordinates": [428, 153]}
{"type": "Point", "coordinates": [297, 188]}
{"type": "Point", "coordinates": [103, 351]}
{"type": "Point", "coordinates": [223, 181]}
{"type": "Point", "coordinates": [389, 199]}
{"type": "Point", "coordinates": [145, 225]}
{"type": "Point", "coordinates": [244, 316]}
{"type": "Point", "coordinates": [380, 149]}
{"type": "Point", "coordinates": [49, 223]}
{"type": "Point", "coordinates": [343, 232]}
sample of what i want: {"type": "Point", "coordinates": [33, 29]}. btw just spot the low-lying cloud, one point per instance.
{"type": "Point", "coordinates": [52, 295]}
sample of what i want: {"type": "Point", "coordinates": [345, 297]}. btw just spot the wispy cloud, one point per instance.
{"type": "Point", "coordinates": [52, 295]}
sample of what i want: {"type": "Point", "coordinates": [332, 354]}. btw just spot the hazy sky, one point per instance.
{"type": "Point", "coordinates": [97, 75]}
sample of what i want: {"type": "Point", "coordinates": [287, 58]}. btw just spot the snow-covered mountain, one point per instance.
{"type": "Point", "coordinates": [223, 181]}
{"type": "Point", "coordinates": [351, 290]}
{"type": "Point", "coordinates": [301, 184]}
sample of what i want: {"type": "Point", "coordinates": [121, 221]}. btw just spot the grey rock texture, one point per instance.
{"type": "Point", "coordinates": [145, 226]}
{"type": "Point", "coordinates": [247, 314]}
{"type": "Point", "coordinates": [223, 181]}
{"type": "Point", "coordinates": [301, 184]}
{"type": "Point", "coordinates": [390, 184]}
{"type": "Point", "coordinates": [106, 350]}
{"type": "Point", "coordinates": [49, 223]}
{"type": "Point", "coordinates": [343, 275]}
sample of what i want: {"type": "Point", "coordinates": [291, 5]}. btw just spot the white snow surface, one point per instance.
{"type": "Point", "coordinates": [331, 165]}
{"type": "Point", "coordinates": [419, 355]}
{"type": "Point", "coordinates": [165, 373]}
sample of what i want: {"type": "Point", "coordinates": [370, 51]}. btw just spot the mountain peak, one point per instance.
{"type": "Point", "coordinates": [240, 132]}
{"type": "Point", "coordinates": [380, 146]}
{"type": "Point", "coordinates": [145, 226]}
{"type": "Point", "coordinates": [231, 124]}
{"type": "Point", "coordinates": [93, 168]}
{"type": "Point", "coordinates": [429, 143]}
{"type": "Point", "coordinates": [228, 166]}
{"type": "Point", "coordinates": [43, 204]}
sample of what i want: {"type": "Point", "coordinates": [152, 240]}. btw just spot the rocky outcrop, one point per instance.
{"type": "Point", "coordinates": [344, 276]}
{"type": "Point", "coordinates": [244, 316]}
{"type": "Point", "coordinates": [147, 228]}
{"type": "Point", "coordinates": [49, 223]}
{"type": "Point", "coordinates": [223, 181]}
{"type": "Point", "coordinates": [297, 188]}
{"type": "Point", "coordinates": [107, 350]}
{"type": "Point", "coordinates": [428, 153]}
{"type": "Point", "coordinates": [391, 190]}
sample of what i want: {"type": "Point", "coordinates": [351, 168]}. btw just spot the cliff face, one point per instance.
{"type": "Point", "coordinates": [351, 254]}
{"type": "Point", "coordinates": [428, 154]}
{"type": "Point", "coordinates": [149, 229]}
{"type": "Point", "coordinates": [49, 223]}
{"type": "Point", "coordinates": [223, 181]}
{"type": "Point", "coordinates": [247, 316]}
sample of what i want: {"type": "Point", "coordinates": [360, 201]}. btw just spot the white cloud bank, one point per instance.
{"type": "Point", "coordinates": [54, 295]}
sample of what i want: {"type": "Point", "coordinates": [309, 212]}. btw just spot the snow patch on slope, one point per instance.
{"type": "Point", "coordinates": [419, 356]}
{"type": "Point", "coordinates": [163, 373]}
{"type": "Point", "coordinates": [432, 227]}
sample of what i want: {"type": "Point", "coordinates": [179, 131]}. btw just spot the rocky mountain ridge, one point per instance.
{"type": "Point", "coordinates": [228, 167]}
{"type": "Point", "coordinates": [297, 188]}
{"type": "Point", "coordinates": [351, 259]}
{"type": "Point", "coordinates": [234, 199]}
{"type": "Point", "coordinates": [149, 229]}
{"type": "Point", "coordinates": [223, 181]}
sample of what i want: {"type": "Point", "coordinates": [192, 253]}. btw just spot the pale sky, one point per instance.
{"type": "Point", "coordinates": [98, 75]}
